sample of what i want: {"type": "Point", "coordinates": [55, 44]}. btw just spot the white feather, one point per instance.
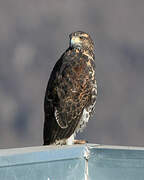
{"type": "Point", "coordinates": [70, 140]}
{"type": "Point", "coordinates": [58, 120]}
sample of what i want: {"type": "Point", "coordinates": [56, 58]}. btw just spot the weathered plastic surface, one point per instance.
{"type": "Point", "coordinates": [116, 163]}
{"type": "Point", "coordinates": [43, 163]}
{"type": "Point", "coordinates": [77, 162]}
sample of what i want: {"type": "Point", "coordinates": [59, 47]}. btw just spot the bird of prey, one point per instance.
{"type": "Point", "coordinates": [71, 91]}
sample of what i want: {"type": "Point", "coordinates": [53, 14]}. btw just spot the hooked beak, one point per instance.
{"type": "Point", "coordinates": [75, 41]}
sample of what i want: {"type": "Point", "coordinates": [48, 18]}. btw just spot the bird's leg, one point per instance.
{"type": "Point", "coordinates": [70, 140]}
{"type": "Point", "coordinates": [80, 141]}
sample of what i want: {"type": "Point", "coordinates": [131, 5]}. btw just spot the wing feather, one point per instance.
{"type": "Point", "coordinates": [69, 89]}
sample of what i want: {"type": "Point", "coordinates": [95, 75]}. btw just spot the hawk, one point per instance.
{"type": "Point", "coordinates": [71, 91]}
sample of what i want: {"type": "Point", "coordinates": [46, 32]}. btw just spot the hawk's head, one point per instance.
{"type": "Point", "coordinates": [81, 40]}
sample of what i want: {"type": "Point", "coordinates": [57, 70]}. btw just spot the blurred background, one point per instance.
{"type": "Point", "coordinates": [34, 34]}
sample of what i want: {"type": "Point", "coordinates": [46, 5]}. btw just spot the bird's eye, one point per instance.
{"type": "Point", "coordinates": [81, 37]}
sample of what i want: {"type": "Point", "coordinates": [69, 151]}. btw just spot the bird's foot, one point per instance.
{"type": "Point", "coordinates": [77, 141]}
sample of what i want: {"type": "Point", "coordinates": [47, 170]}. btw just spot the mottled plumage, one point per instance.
{"type": "Point", "coordinates": [71, 91]}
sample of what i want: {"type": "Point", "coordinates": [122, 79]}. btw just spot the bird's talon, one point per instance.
{"type": "Point", "coordinates": [80, 141]}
